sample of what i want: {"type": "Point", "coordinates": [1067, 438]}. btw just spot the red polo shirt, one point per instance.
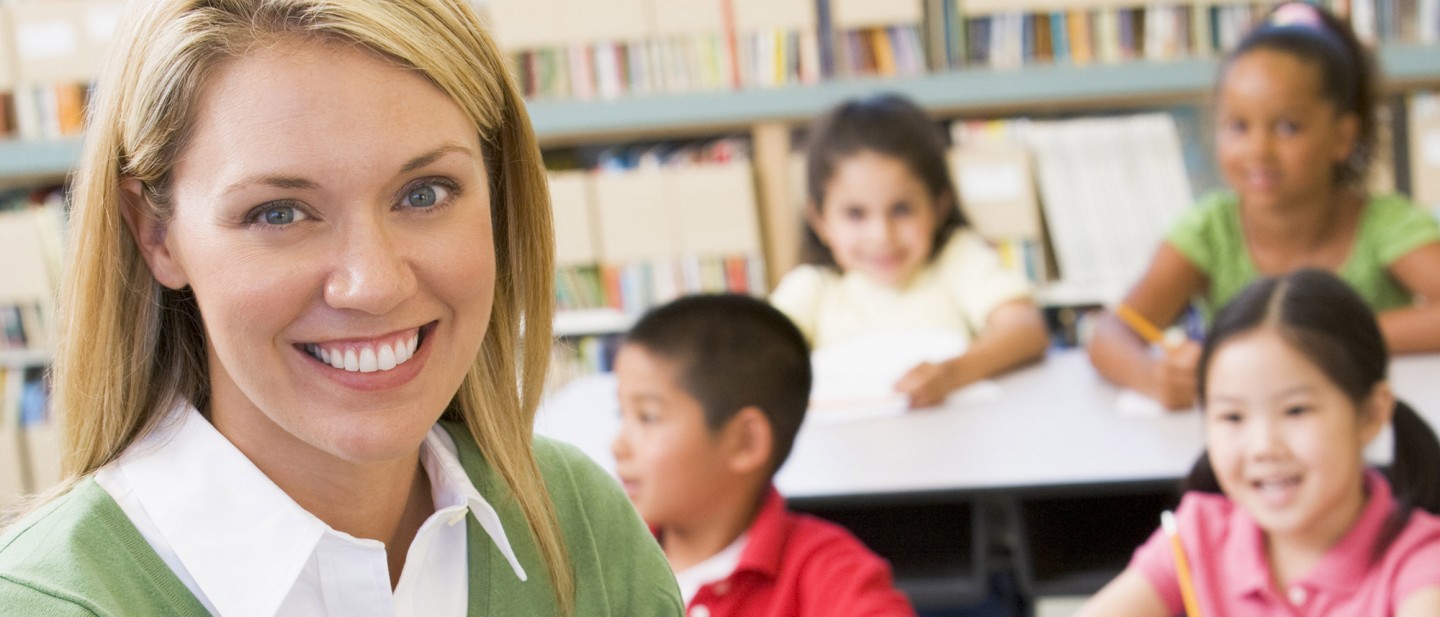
{"type": "Point", "coordinates": [796, 565]}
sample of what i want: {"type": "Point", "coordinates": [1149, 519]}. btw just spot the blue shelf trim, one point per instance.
{"type": "Point", "coordinates": [24, 159]}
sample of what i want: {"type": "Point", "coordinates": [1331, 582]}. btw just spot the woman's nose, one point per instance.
{"type": "Point", "coordinates": [371, 273]}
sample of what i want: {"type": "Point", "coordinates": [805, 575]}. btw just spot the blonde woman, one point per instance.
{"type": "Point", "coordinates": [306, 235]}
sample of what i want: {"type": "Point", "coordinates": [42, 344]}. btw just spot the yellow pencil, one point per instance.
{"type": "Point", "coordinates": [1182, 566]}
{"type": "Point", "coordinates": [1140, 324]}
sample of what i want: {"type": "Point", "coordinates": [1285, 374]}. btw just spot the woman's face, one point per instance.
{"type": "Point", "coordinates": [332, 217]}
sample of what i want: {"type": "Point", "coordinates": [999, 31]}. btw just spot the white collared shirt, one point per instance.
{"type": "Point", "coordinates": [244, 548]}
{"type": "Point", "coordinates": [714, 569]}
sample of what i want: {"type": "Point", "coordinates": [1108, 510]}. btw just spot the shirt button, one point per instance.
{"type": "Point", "coordinates": [1298, 595]}
{"type": "Point", "coordinates": [721, 588]}
{"type": "Point", "coordinates": [699, 610]}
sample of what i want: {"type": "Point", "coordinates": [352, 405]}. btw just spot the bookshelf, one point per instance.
{"type": "Point", "coordinates": [24, 161]}
{"type": "Point", "coordinates": [964, 92]}
{"type": "Point", "coordinates": [586, 322]}
{"type": "Point", "coordinates": [769, 115]}
{"type": "Point", "coordinates": [23, 358]}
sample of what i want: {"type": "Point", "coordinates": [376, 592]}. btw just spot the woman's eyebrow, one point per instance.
{"type": "Point", "coordinates": [434, 155]}
{"type": "Point", "coordinates": [284, 182]}
{"type": "Point", "coordinates": [297, 182]}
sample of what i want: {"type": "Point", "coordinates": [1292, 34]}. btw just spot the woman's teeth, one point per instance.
{"type": "Point", "coordinates": [366, 358]}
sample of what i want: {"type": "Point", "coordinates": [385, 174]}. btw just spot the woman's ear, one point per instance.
{"type": "Point", "coordinates": [150, 235]}
{"type": "Point", "coordinates": [749, 442]}
{"type": "Point", "coordinates": [1377, 411]}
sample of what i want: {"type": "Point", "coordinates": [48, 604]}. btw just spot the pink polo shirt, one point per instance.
{"type": "Point", "coordinates": [1226, 550]}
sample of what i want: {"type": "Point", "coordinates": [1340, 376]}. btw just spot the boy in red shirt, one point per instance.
{"type": "Point", "coordinates": [712, 392]}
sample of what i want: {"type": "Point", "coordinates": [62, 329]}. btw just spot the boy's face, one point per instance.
{"type": "Point", "coordinates": [672, 466]}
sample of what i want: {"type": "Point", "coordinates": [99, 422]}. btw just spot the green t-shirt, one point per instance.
{"type": "Point", "coordinates": [80, 555]}
{"type": "Point", "coordinates": [1209, 236]}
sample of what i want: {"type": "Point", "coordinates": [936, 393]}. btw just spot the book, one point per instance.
{"type": "Point", "coordinates": [572, 205]}
{"type": "Point", "coordinates": [1424, 138]}
{"type": "Point", "coordinates": [668, 220]}
{"type": "Point", "coordinates": [1109, 188]}
{"type": "Point", "coordinates": [997, 189]}
{"type": "Point", "coordinates": [14, 481]}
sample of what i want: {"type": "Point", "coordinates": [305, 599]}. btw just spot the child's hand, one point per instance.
{"type": "Point", "coordinates": [1174, 375]}
{"type": "Point", "coordinates": [927, 384]}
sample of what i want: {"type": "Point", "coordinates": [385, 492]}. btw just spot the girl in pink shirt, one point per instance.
{"type": "Point", "coordinates": [1284, 517]}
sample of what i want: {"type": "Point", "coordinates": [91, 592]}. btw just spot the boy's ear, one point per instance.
{"type": "Point", "coordinates": [749, 442]}
{"type": "Point", "coordinates": [1378, 410]}
{"type": "Point", "coordinates": [150, 235]}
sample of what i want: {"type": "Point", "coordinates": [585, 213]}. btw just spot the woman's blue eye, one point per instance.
{"type": "Point", "coordinates": [425, 195]}
{"type": "Point", "coordinates": [279, 215]}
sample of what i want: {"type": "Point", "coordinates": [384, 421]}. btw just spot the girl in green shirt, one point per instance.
{"type": "Point", "coordinates": [1295, 136]}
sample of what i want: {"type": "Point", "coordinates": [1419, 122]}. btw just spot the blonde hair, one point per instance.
{"type": "Point", "coordinates": [129, 348]}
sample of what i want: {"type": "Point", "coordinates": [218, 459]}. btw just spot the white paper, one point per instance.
{"type": "Point", "coordinates": [1134, 404]}
{"type": "Point", "coordinates": [981, 183]}
{"type": "Point", "coordinates": [1430, 148]}
{"type": "Point", "coordinates": [855, 379]}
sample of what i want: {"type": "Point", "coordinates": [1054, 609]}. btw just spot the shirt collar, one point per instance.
{"type": "Point", "coordinates": [1339, 570]}
{"type": "Point", "coordinates": [764, 540]}
{"type": "Point", "coordinates": [1343, 566]}
{"type": "Point", "coordinates": [243, 539]}
{"type": "Point", "coordinates": [768, 533]}
{"type": "Point", "coordinates": [449, 481]}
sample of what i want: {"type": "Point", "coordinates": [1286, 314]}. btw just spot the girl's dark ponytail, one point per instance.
{"type": "Point", "coordinates": [1417, 459]}
{"type": "Point", "coordinates": [1202, 476]}
{"type": "Point", "coordinates": [1412, 473]}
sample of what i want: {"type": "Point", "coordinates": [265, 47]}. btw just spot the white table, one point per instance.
{"type": "Point", "coordinates": [1054, 424]}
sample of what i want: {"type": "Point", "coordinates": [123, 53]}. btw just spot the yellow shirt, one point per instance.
{"type": "Point", "coordinates": [956, 291]}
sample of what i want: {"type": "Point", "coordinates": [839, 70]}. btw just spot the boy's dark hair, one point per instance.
{"type": "Point", "coordinates": [734, 351]}
{"type": "Point", "coordinates": [887, 124]}
{"type": "Point", "coordinates": [1348, 74]}
{"type": "Point", "coordinates": [1320, 316]}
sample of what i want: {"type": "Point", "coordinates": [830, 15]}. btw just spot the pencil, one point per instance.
{"type": "Point", "coordinates": [1182, 566]}
{"type": "Point", "coordinates": [1140, 324]}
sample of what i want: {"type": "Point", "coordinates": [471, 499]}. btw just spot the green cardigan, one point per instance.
{"type": "Point", "coordinates": [80, 555]}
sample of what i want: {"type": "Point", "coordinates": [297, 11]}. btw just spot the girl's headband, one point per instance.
{"type": "Point", "coordinates": [1306, 18]}
{"type": "Point", "coordinates": [1297, 14]}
